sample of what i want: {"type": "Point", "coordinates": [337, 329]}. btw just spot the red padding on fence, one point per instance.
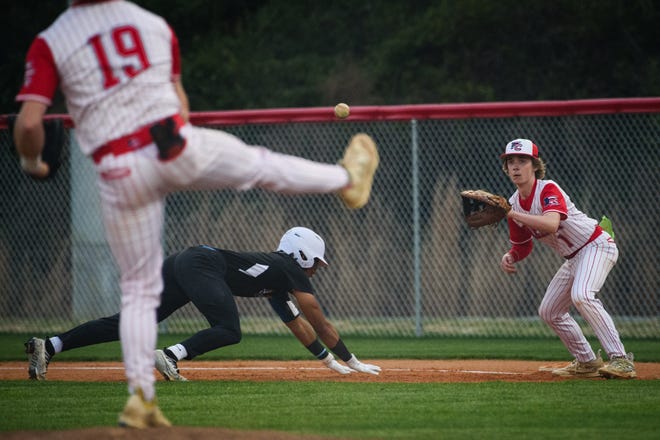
{"type": "Point", "coordinates": [420, 111]}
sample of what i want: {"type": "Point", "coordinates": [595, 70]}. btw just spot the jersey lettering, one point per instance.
{"type": "Point", "coordinates": [127, 44]}
{"type": "Point", "coordinates": [255, 270]}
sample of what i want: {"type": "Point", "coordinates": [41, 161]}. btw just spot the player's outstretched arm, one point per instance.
{"type": "Point", "coordinates": [328, 334]}
{"type": "Point", "coordinates": [307, 337]}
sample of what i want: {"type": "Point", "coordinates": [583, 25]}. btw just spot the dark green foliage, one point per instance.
{"type": "Point", "coordinates": [259, 54]}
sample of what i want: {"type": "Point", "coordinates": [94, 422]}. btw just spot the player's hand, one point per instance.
{"type": "Point", "coordinates": [355, 364]}
{"type": "Point", "coordinates": [331, 363]}
{"type": "Point", "coordinates": [508, 264]}
{"type": "Point", "coordinates": [35, 167]}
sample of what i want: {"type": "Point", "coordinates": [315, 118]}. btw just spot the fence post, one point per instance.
{"type": "Point", "coordinates": [419, 331]}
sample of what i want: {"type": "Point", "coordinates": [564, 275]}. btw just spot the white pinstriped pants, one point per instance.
{"type": "Point", "coordinates": [133, 187]}
{"type": "Point", "coordinates": [576, 283]}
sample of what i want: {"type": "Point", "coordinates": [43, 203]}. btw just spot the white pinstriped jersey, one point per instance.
{"type": "Point", "coordinates": [117, 65]}
{"type": "Point", "coordinates": [575, 228]}
{"type": "Point", "coordinates": [93, 52]}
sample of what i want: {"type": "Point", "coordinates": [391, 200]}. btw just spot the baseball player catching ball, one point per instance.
{"type": "Point", "coordinates": [118, 66]}
{"type": "Point", "coordinates": [541, 209]}
{"type": "Point", "coordinates": [210, 278]}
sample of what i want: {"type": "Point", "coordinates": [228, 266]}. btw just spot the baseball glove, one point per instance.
{"type": "Point", "coordinates": [53, 144]}
{"type": "Point", "coordinates": [482, 208]}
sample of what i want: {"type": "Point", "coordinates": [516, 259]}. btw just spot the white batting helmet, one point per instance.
{"type": "Point", "coordinates": [304, 244]}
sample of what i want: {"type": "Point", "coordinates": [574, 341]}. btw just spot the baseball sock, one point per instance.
{"type": "Point", "coordinates": [176, 352]}
{"type": "Point", "coordinates": [53, 345]}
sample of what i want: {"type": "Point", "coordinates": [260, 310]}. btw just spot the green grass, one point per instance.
{"type": "Point", "coordinates": [566, 409]}
{"type": "Point", "coordinates": [288, 348]}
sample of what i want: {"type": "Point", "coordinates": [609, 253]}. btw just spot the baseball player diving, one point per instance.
{"type": "Point", "coordinates": [210, 278]}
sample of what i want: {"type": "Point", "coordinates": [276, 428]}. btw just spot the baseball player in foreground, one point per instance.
{"type": "Point", "coordinates": [118, 66]}
{"type": "Point", "coordinates": [541, 209]}
{"type": "Point", "coordinates": [210, 278]}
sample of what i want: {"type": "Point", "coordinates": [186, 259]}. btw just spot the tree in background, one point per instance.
{"type": "Point", "coordinates": [260, 54]}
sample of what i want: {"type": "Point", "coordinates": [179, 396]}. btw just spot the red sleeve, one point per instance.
{"type": "Point", "coordinates": [41, 78]}
{"type": "Point", "coordinates": [176, 57]}
{"type": "Point", "coordinates": [520, 251]}
{"type": "Point", "coordinates": [521, 241]}
{"type": "Point", "coordinates": [552, 200]}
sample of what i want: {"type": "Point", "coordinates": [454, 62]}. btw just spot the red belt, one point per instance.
{"type": "Point", "coordinates": [131, 142]}
{"type": "Point", "coordinates": [594, 236]}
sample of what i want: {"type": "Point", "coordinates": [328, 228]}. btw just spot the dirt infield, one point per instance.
{"type": "Point", "coordinates": [400, 370]}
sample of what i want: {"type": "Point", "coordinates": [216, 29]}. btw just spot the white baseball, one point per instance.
{"type": "Point", "coordinates": [342, 110]}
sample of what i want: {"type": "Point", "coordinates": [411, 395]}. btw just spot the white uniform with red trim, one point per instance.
{"type": "Point", "coordinates": [115, 63]}
{"type": "Point", "coordinates": [590, 255]}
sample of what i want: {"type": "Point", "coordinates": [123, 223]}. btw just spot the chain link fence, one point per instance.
{"type": "Point", "coordinates": [405, 265]}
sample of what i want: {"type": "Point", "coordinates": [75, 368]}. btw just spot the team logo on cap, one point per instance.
{"type": "Point", "coordinates": [520, 146]}
{"type": "Point", "coordinates": [516, 146]}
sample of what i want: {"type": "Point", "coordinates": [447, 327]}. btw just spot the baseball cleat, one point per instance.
{"type": "Point", "coordinates": [140, 414]}
{"type": "Point", "coordinates": [619, 367]}
{"type": "Point", "coordinates": [38, 357]}
{"type": "Point", "coordinates": [580, 369]}
{"type": "Point", "coordinates": [168, 367]}
{"type": "Point", "coordinates": [360, 160]}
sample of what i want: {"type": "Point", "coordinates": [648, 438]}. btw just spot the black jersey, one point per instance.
{"type": "Point", "coordinates": [270, 274]}
{"type": "Point", "coordinates": [264, 274]}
